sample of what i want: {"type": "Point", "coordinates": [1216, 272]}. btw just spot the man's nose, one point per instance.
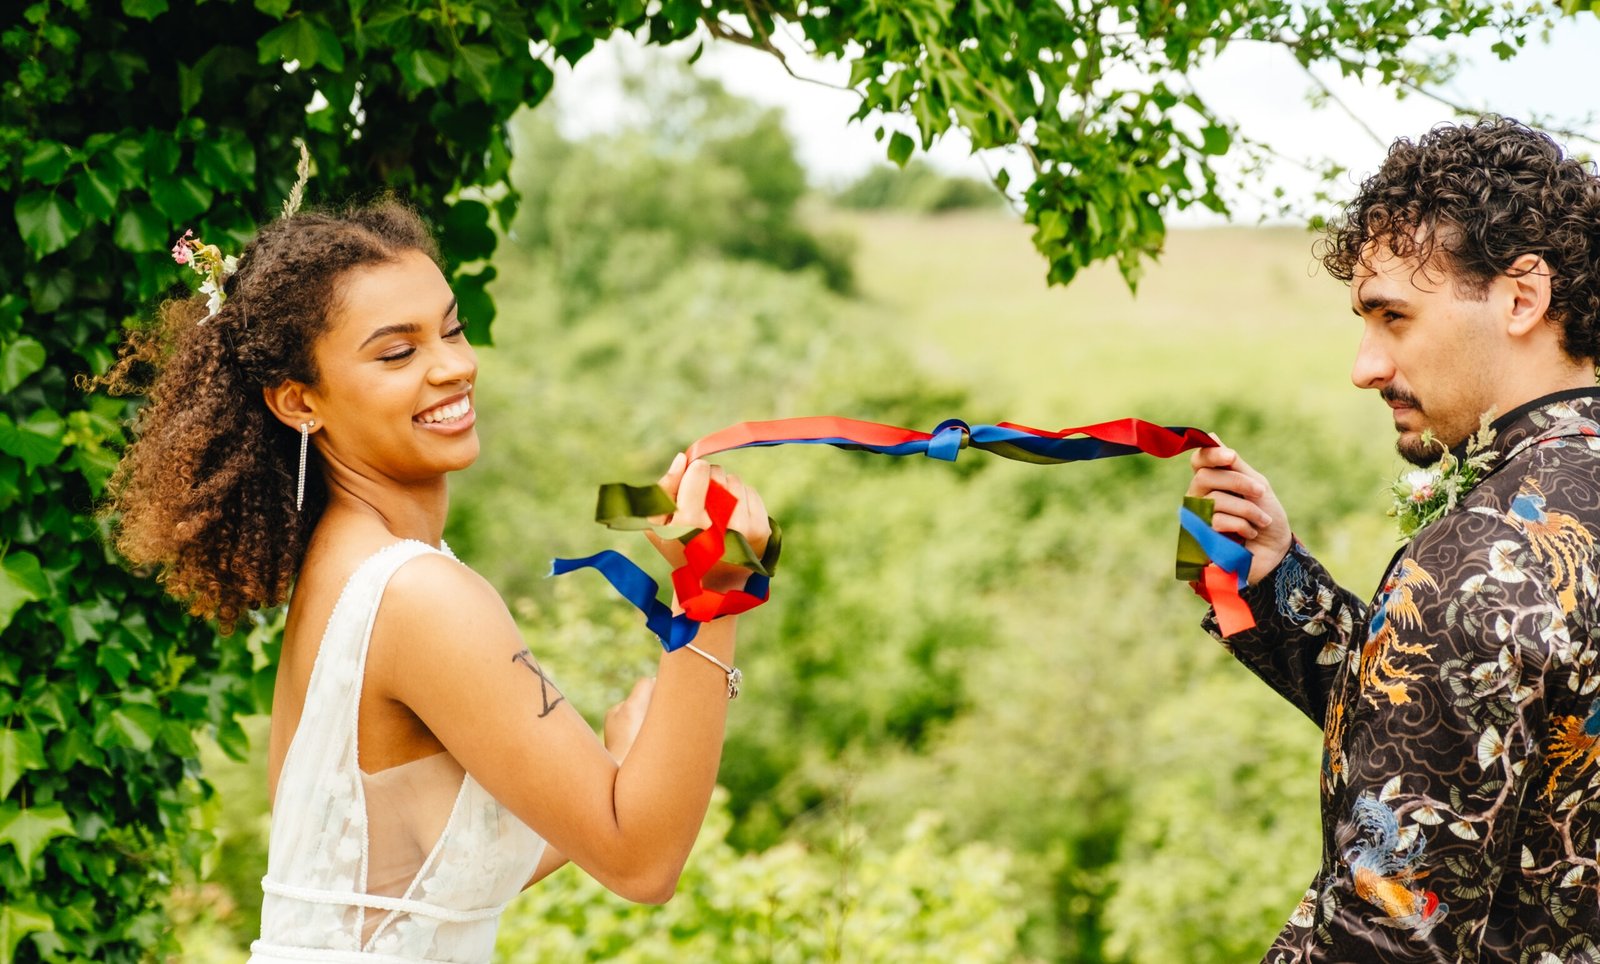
{"type": "Point", "coordinates": [1373, 368]}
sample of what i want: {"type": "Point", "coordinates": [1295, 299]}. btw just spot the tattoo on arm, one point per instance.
{"type": "Point", "coordinates": [546, 687]}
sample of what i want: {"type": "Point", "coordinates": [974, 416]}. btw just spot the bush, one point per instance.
{"type": "Point", "coordinates": [918, 188]}
{"type": "Point", "coordinates": [915, 897]}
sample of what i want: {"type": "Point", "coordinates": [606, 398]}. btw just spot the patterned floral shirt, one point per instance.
{"type": "Point", "coordinates": [1460, 712]}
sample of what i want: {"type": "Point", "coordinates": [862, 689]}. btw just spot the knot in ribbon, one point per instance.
{"type": "Point", "coordinates": [703, 549]}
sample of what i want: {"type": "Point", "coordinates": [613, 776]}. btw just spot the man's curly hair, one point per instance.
{"type": "Point", "coordinates": [205, 493]}
{"type": "Point", "coordinates": [1471, 199]}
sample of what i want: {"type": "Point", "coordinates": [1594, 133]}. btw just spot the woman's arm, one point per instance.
{"type": "Point", "coordinates": [445, 646]}
{"type": "Point", "coordinates": [621, 729]}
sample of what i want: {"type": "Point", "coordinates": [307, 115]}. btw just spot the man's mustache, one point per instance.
{"type": "Point", "coordinates": [1394, 395]}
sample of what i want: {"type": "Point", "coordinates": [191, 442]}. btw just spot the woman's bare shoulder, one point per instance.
{"type": "Point", "coordinates": [435, 604]}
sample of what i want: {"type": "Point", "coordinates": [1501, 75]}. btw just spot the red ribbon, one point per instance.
{"type": "Point", "coordinates": [702, 553]}
{"type": "Point", "coordinates": [1220, 588]}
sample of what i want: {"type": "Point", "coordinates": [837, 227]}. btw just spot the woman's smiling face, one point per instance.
{"type": "Point", "coordinates": [394, 375]}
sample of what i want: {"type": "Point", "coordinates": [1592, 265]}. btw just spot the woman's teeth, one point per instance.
{"type": "Point", "coordinates": [446, 413]}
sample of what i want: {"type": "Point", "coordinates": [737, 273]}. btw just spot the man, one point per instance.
{"type": "Point", "coordinates": [1460, 707]}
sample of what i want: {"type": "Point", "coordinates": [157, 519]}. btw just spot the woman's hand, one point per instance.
{"type": "Point", "coordinates": [687, 484]}
{"type": "Point", "coordinates": [624, 719]}
{"type": "Point", "coordinates": [1246, 506]}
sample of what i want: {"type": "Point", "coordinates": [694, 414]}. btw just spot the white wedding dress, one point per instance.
{"type": "Point", "coordinates": [413, 863]}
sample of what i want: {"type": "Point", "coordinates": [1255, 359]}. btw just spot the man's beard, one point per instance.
{"type": "Point", "coordinates": [1412, 448]}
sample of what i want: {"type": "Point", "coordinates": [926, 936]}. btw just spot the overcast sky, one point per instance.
{"type": "Point", "coordinates": [1258, 86]}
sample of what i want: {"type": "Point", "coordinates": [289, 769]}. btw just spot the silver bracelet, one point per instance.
{"type": "Point", "coordinates": [734, 676]}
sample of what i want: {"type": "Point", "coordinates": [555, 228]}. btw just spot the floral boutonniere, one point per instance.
{"type": "Point", "coordinates": [1422, 496]}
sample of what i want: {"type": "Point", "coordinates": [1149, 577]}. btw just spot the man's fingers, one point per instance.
{"type": "Point", "coordinates": [1212, 456]}
{"type": "Point", "coordinates": [1209, 480]}
{"type": "Point", "coordinates": [1234, 526]}
{"type": "Point", "coordinates": [1228, 504]}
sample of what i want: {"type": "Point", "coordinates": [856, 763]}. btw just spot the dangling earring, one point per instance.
{"type": "Point", "coordinates": [300, 483]}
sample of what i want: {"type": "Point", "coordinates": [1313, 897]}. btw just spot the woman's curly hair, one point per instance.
{"type": "Point", "coordinates": [205, 494]}
{"type": "Point", "coordinates": [1476, 197]}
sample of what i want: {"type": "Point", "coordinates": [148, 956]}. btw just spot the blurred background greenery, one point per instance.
{"type": "Point", "coordinates": [980, 721]}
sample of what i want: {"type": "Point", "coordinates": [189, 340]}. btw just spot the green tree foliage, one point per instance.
{"type": "Point", "coordinates": [124, 122]}
{"type": "Point", "coordinates": [916, 187]}
{"type": "Point", "coordinates": [705, 174]}
{"type": "Point", "coordinates": [909, 896]}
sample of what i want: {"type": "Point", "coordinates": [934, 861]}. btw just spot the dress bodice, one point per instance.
{"type": "Point", "coordinates": [413, 863]}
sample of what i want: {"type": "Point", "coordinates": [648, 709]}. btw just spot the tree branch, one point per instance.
{"type": "Point", "coordinates": [722, 31]}
{"type": "Point", "coordinates": [1327, 92]}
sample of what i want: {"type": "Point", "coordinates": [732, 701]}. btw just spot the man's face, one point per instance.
{"type": "Point", "coordinates": [1427, 348]}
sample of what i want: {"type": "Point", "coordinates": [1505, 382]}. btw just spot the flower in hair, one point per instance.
{"type": "Point", "coordinates": [208, 261]}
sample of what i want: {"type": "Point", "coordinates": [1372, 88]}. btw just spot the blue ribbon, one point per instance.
{"type": "Point", "coordinates": [1229, 556]}
{"type": "Point", "coordinates": [952, 435]}
{"type": "Point", "coordinates": [636, 586]}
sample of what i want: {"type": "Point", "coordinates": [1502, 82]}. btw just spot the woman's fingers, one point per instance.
{"type": "Point", "coordinates": [759, 526]}
{"type": "Point", "coordinates": [689, 484]}
{"type": "Point", "coordinates": [674, 474]}
{"type": "Point", "coordinates": [691, 497]}
{"type": "Point", "coordinates": [622, 721]}
{"type": "Point", "coordinates": [670, 483]}
{"type": "Point", "coordinates": [1212, 457]}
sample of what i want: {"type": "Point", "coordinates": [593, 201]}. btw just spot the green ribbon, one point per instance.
{"type": "Point", "coordinates": [628, 508]}
{"type": "Point", "coordinates": [1191, 558]}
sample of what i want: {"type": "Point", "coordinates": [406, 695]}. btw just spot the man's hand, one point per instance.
{"type": "Point", "coordinates": [1245, 506]}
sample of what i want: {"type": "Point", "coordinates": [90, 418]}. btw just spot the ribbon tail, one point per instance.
{"type": "Point", "coordinates": [1233, 613]}
{"type": "Point", "coordinates": [1219, 566]}
{"type": "Point", "coordinates": [636, 586]}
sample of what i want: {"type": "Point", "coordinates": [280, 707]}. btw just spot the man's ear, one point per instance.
{"type": "Point", "coordinates": [1529, 290]}
{"type": "Point", "coordinates": [291, 403]}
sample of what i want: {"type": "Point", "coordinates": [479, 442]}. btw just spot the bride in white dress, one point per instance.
{"type": "Point", "coordinates": [423, 768]}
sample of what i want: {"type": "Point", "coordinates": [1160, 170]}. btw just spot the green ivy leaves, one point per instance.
{"type": "Point", "coordinates": [304, 40]}
{"type": "Point", "coordinates": [21, 581]}
{"type": "Point", "coordinates": [48, 222]}
{"type": "Point", "coordinates": [27, 829]}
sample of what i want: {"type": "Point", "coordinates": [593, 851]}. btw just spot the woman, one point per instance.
{"type": "Point", "coordinates": [423, 767]}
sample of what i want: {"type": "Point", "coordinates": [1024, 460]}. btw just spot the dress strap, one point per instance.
{"type": "Point", "coordinates": [342, 656]}
{"type": "Point", "coordinates": [367, 586]}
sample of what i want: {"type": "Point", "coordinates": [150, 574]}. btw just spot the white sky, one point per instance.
{"type": "Point", "coordinates": [1258, 86]}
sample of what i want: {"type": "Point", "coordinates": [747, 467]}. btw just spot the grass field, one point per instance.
{"type": "Point", "coordinates": [1224, 311]}
{"type": "Point", "coordinates": [1240, 314]}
